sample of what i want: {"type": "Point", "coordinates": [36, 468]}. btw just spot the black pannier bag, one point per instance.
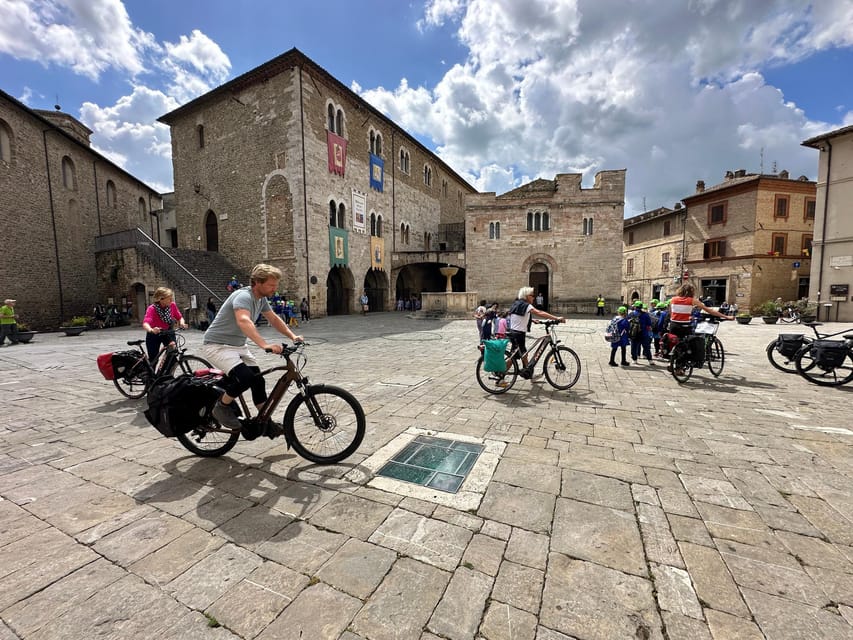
{"type": "Point", "coordinates": [697, 350]}
{"type": "Point", "coordinates": [123, 362]}
{"type": "Point", "coordinates": [829, 353]}
{"type": "Point", "coordinates": [789, 343]}
{"type": "Point", "coordinates": [178, 405]}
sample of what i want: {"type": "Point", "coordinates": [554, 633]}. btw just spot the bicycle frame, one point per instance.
{"type": "Point", "coordinates": [538, 348]}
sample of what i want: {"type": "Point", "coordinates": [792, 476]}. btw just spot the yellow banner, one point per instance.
{"type": "Point", "coordinates": [377, 253]}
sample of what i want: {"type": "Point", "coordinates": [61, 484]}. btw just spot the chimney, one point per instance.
{"type": "Point", "coordinates": [677, 206]}
{"type": "Point", "coordinates": [783, 174]}
{"type": "Point", "coordinates": [700, 186]}
{"type": "Point", "coordinates": [730, 175]}
{"type": "Point", "coordinates": [740, 173]}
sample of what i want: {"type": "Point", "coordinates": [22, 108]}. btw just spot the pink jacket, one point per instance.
{"type": "Point", "coordinates": [153, 318]}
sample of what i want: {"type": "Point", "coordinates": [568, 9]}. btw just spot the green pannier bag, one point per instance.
{"type": "Point", "coordinates": [494, 355]}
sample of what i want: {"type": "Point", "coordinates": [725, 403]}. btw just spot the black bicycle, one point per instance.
{"type": "Point", "coordinates": [827, 363]}
{"type": "Point", "coordinates": [323, 423]}
{"type": "Point", "coordinates": [562, 366]}
{"type": "Point", "coordinates": [134, 373]}
{"type": "Point", "coordinates": [700, 347]}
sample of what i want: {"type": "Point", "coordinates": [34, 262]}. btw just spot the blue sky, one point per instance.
{"type": "Point", "coordinates": [504, 91]}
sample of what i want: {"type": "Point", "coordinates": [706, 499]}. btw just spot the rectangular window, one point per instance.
{"type": "Point", "coordinates": [630, 237]}
{"type": "Point", "coordinates": [667, 227]}
{"type": "Point", "coordinates": [664, 262]}
{"type": "Point", "coordinates": [629, 267]}
{"type": "Point", "coordinates": [780, 241]}
{"type": "Point", "coordinates": [810, 207]}
{"type": "Point", "coordinates": [806, 248]}
{"type": "Point", "coordinates": [714, 249]}
{"type": "Point", "coordinates": [718, 212]}
{"type": "Point", "coordinates": [780, 209]}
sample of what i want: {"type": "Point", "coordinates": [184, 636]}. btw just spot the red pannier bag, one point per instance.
{"type": "Point", "coordinates": [105, 366]}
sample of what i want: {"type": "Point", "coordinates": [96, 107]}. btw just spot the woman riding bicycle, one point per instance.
{"type": "Point", "coordinates": [519, 324]}
{"type": "Point", "coordinates": [681, 310]}
{"type": "Point", "coordinates": [159, 322]}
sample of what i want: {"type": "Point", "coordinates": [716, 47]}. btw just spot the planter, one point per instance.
{"type": "Point", "coordinates": [24, 336]}
{"type": "Point", "coordinates": [808, 318]}
{"type": "Point", "coordinates": [72, 331]}
{"type": "Point", "coordinates": [770, 319]}
{"type": "Point", "coordinates": [743, 319]}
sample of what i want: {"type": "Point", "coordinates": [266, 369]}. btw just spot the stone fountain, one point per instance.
{"type": "Point", "coordinates": [449, 303]}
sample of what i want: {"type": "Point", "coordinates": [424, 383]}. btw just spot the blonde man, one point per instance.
{"type": "Point", "coordinates": [225, 341]}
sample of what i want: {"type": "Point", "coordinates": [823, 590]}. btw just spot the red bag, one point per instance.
{"type": "Point", "coordinates": [105, 366]}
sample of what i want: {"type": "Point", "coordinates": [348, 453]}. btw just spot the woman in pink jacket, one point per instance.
{"type": "Point", "coordinates": [160, 320]}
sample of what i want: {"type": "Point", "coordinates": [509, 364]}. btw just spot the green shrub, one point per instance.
{"type": "Point", "coordinates": [79, 321]}
{"type": "Point", "coordinates": [769, 308]}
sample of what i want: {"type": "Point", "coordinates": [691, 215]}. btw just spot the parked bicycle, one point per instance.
{"type": "Point", "coordinates": [134, 373]}
{"type": "Point", "coordinates": [828, 363]}
{"type": "Point", "coordinates": [700, 347]}
{"type": "Point", "coordinates": [562, 366]}
{"type": "Point", "coordinates": [323, 423]}
{"type": "Point", "coordinates": [789, 315]}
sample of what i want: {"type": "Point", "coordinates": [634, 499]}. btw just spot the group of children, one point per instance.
{"type": "Point", "coordinates": [491, 323]}
{"type": "Point", "coordinates": [642, 328]}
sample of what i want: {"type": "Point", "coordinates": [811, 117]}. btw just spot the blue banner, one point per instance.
{"type": "Point", "coordinates": [377, 172]}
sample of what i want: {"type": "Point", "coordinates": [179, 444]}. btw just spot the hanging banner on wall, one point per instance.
{"type": "Point", "coordinates": [377, 253]}
{"type": "Point", "coordinates": [377, 172]}
{"type": "Point", "coordinates": [338, 247]}
{"type": "Point", "coordinates": [359, 206]}
{"type": "Point", "coordinates": [337, 148]}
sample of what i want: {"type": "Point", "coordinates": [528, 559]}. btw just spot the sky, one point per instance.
{"type": "Point", "coordinates": [503, 91]}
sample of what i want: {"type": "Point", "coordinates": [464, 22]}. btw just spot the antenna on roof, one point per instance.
{"type": "Point", "coordinates": [761, 165]}
{"type": "Point", "coordinates": [56, 106]}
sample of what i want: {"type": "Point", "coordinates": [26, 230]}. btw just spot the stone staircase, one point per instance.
{"type": "Point", "coordinates": [209, 267]}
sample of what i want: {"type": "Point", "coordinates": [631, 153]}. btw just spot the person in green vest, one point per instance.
{"type": "Point", "coordinates": [599, 304]}
{"type": "Point", "coordinates": [8, 322]}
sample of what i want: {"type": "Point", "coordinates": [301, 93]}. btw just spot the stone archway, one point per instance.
{"type": "Point", "coordinates": [211, 231]}
{"type": "Point", "coordinates": [339, 291]}
{"type": "Point", "coordinates": [538, 278]}
{"type": "Point", "coordinates": [376, 286]}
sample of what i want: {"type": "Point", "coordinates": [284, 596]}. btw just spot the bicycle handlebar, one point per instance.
{"type": "Point", "coordinates": [287, 350]}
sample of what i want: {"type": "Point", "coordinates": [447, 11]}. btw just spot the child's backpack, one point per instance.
{"type": "Point", "coordinates": [612, 333]}
{"type": "Point", "coordinates": [634, 329]}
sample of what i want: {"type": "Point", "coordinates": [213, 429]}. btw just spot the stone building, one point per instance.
{"type": "Point", "coordinates": [746, 240]}
{"type": "Point", "coordinates": [832, 258]}
{"type": "Point", "coordinates": [286, 165]}
{"type": "Point", "coordinates": [554, 235]}
{"type": "Point", "coordinates": [56, 196]}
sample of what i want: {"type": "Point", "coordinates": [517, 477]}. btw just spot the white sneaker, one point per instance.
{"type": "Point", "coordinates": [225, 416]}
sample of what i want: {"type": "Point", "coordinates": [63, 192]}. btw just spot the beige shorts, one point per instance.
{"type": "Point", "coordinates": [226, 356]}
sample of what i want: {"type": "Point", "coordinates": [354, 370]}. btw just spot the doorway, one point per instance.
{"type": "Point", "coordinates": [715, 289]}
{"type": "Point", "coordinates": [339, 285]}
{"type": "Point", "coordinates": [211, 231]}
{"type": "Point", "coordinates": [376, 287]}
{"type": "Point", "coordinates": [538, 279]}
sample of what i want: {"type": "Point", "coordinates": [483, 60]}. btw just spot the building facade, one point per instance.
{"type": "Point", "coordinates": [653, 243]}
{"type": "Point", "coordinates": [553, 235]}
{"type": "Point", "coordinates": [285, 165]}
{"type": "Point", "coordinates": [56, 196]}
{"type": "Point", "coordinates": [746, 240]}
{"type": "Point", "coordinates": [832, 259]}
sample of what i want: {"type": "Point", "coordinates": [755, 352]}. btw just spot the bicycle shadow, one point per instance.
{"type": "Point", "coordinates": [731, 384]}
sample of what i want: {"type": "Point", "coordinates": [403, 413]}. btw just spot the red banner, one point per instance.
{"type": "Point", "coordinates": [337, 153]}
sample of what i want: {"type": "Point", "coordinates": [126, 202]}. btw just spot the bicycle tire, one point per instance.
{"type": "Point", "coordinates": [715, 355]}
{"type": "Point", "coordinates": [207, 442]}
{"type": "Point", "coordinates": [680, 364]}
{"type": "Point", "coordinates": [136, 382]}
{"type": "Point", "coordinates": [781, 362]}
{"type": "Point", "coordinates": [190, 364]}
{"type": "Point", "coordinates": [497, 383]}
{"type": "Point", "coordinates": [562, 367]}
{"type": "Point", "coordinates": [808, 368]}
{"type": "Point", "coordinates": [341, 419]}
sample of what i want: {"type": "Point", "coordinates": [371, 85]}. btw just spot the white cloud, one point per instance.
{"type": "Point", "coordinates": [672, 91]}
{"type": "Point", "coordinates": [87, 36]}
{"type": "Point", "coordinates": [196, 64]}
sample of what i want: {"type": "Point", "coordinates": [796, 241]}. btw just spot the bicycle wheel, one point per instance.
{"type": "Point", "coordinates": [134, 384]}
{"type": "Point", "coordinates": [189, 364]}
{"type": "Point", "coordinates": [680, 363]}
{"type": "Point", "coordinates": [325, 425]}
{"type": "Point", "coordinates": [562, 368]}
{"type": "Point", "coordinates": [781, 362]}
{"type": "Point", "coordinates": [715, 355]}
{"type": "Point", "coordinates": [808, 367]}
{"type": "Point", "coordinates": [208, 441]}
{"type": "Point", "coordinates": [497, 383]}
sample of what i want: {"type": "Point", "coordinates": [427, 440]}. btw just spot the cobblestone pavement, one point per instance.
{"type": "Point", "coordinates": [628, 507]}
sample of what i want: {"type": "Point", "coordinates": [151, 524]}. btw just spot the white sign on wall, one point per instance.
{"type": "Point", "coordinates": [841, 261]}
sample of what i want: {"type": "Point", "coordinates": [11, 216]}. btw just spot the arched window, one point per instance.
{"type": "Point", "coordinates": [379, 226]}
{"type": "Point", "coordinates": [545, 221]}
{"type": "Point", "coordinates": [530, 221]}
{"type": "Point", "coordinates": [111, 194]}
{"type": "Point", "coordinates": [339, 123]}
{"type": "Point", "coordinates": [373, 224]}
{"type": "Point", "coordinates": [143, 210]}
{"type": "Point", "coordinates": [5, 142]}
{"type": "Point", "coordinates": [331, 121]}
{"type": "Point", "coordinates": [537, 221]}
{"type": "Point", "coordinates": [342, 212]}
{"type": "Point", "coordinates": [427, 175]}
{"type": "Point", "coordinates": [200, 131]}
{"type": "Point", "coordinates": [587, 226]}
{"type": "Point", "coordinates": [375, 143]}
{"type": "Point", "coordinates": [69, 174]}
{"type": "Point", "coordinates": [494, 231]}
{"type": "Point", "coordinates": [333, 213]}
{"type": "Point", "coordinates": [427, 241]}
{"type": "Point", "coordinates": [444, 188]}
{"type": "Point", "coordinates": [404, 161]}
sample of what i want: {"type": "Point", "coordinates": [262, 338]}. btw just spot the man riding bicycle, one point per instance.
{"type": "Point", "coordinates": [225, 346]}
{"type": "Point", "coordinates": [519, 324]}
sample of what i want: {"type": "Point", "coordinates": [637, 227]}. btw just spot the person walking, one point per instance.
{"type": "Point", "coordinates": [599, 305]}
{"type": "Point", "coordinates": [520, 318]}
{"type": "Point", "coordinates": [304, 310]}
{"type": "Point", "coordinates": [211, 310]}
{"type": "Point", "coordinates": [225, 343]}
{"type": "Point", "coordinates": [8, 322]}
{"type": "Point", "coordinates": [622, 343]}
{"type": "Point", "coordinates": [365, 303]}
{"type": "Point", "coordinates": [160, 320]}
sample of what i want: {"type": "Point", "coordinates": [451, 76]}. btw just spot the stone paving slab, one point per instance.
{"type": "Point", "coordinates": [630, 506]}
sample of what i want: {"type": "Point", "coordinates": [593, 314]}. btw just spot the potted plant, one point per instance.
{"type": "Point", "coordinates": [76, 326]}
{"type": "Point", "coordinates": [769, 312]}
{"type": "Point", "coordinates": [807, 310]}
{"type": "Point", "coordinates": [24, 334]}
{"type": "Point", "coordinates": [743, 318]}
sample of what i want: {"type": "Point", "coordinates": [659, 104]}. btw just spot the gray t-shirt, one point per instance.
{"type": "Point", "coordinates": [224, 328]}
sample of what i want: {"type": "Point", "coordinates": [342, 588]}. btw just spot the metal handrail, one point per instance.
{"type": "Point", "coordinates": [138, 238]}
